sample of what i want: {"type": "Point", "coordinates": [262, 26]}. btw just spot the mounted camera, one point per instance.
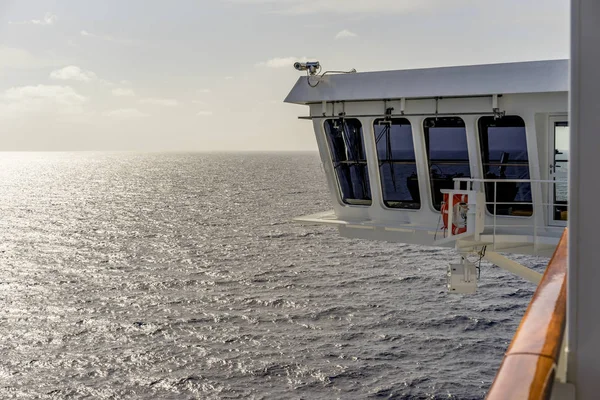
{"type": "Point", "coordinates": [312, 67]}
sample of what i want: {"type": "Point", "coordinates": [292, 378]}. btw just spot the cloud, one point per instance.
{"type": "Point", "coordinates": [123, 92]}
{"type": "Point", "coordinates": [11, 57]}
{"type": "Point", "coordinates": [344, 34]}
{"type": "Point", "coordinates": [299, 7]}
{"type": "Point", "coordinates": [205, 113]}
{"type": "Point", "coordinates": [160, 101]}
{"type": "Point", "coordinates": [228, 78]}
{"type": "Point", "coordinates": [51, 99]}
{"type": "Point", "coordinates": [281, 62]}
{"type": "Point", "coordinates": [126, 113]}
{"type": "Point", "coordinates": [107, 38]}
{"type": "Point", "coordinates": [204, 91]}
{"type": "Point", "coordinates": [73, 73]}
{"type": "Point", "coordinates": [49, 19]}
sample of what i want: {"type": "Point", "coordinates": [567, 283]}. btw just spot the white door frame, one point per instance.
{"type": "Point", "coordinates": [552, 120]}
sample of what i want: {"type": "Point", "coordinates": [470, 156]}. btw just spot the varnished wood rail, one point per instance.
{"type": "Point", "coordinates": [528, 368]}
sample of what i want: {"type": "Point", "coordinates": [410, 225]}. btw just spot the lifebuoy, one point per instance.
{"type": "Point", "coordinates": [459, 213]}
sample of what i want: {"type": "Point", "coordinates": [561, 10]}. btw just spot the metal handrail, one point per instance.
{"type": "Point", "coordinates": [506, 180]}
{"type": "Point", "coordinates": [538, 205]}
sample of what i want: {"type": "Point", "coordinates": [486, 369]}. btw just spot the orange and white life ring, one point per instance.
{"type": "Point", "coordinates": [459, 213]}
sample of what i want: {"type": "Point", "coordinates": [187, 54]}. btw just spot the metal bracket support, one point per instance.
{"type": "Point", "coordinates": [513, 266]}
{"type": "Point", "coordinates": [496, 108]}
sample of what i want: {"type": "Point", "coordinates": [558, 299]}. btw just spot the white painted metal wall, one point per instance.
{"type": "Point", "coordinates": [534, 109]}
{"type": "Point", "coordinates": [583, 316]}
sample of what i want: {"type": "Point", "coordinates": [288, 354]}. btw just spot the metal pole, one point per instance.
{"type": "Point", "coordinates": [495, 211]}
{"type": "Point", "coordinates": [450, 213]}
{"type": "Point", "coordinates": [512, 266]}
{"type": "Point", "coordinates": [535, 216]}
{"type": "Point", "coordinates": [399, 115]}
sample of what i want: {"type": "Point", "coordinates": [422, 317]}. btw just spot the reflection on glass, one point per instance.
{"type": "Point", "coordinates": [347, 149]}
{"type": "Point", "coordinates": [561, 170]}
{"type": "Point", "coordinates": [397, 166]}
{"type": "Point", "coordinates": [447, 152]}
{"type": "Point", "coordinates": [503, 144]}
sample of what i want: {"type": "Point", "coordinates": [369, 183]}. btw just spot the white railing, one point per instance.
{"type": "Point", "coordinates": [539, 221]}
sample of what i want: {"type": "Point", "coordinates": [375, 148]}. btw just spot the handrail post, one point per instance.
{"type": "Point", "coordinates": [450, 210]}
{"type": "Point", "coordinates": [495, 210]}
{"type": "Point", "coordinates": [534, 214]}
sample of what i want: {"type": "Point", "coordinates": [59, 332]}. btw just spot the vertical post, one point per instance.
{"type": "Point", "coordinates": [533, 152]}
{"type": "Point", "coordinates": [495, 211]}
{"type": "Point", "coordinates": [372, 161]}
{"type": "Point", "coordinates": [450, 213]}
{"type": "Point", "coordinates": [583, 321]}
{"type": "Point", "coordinates": [541, 207]}
{"type": "Point", "coordinates": [421, 159]}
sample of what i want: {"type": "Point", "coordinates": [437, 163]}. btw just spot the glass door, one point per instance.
{"type": "Point", "coordinates": [559, 170]}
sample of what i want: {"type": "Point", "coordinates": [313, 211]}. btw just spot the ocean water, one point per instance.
{"type": "Point", "coordinates": [181, 276]}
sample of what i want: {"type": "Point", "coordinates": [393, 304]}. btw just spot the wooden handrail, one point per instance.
{"type": "Point", "coordinates": [528, 368]}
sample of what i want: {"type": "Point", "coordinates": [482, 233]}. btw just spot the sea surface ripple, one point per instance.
{"type": "Point", "coordinates": [181, 276]}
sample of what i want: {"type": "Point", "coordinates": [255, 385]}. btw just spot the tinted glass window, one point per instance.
{"type": "Point", "coordinates": [447, 154]}
{"type": "Point", "coordinates": [504, 154]}
{"type": "Point", "coordinates": [560, 170]}
{"type": "Point", "coordinates": [347, 149]}
{"type": "Point", "coordinates": [397, 167]}
{"type": "Point", "coordinates": [561, 161]}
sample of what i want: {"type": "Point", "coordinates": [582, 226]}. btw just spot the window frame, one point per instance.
{"type": "Point", "coordinates": [380, 175]}
{"type": "Point", "coordinates": [340, 194]}
{"type": "Point", "coordinates": [481, 166]}
{"type": "Point", "coordinates": [553, 121]}
{"type": "Point", "coordinates": [426, 141]}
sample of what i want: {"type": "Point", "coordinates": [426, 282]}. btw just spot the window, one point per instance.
{"type": "Point", "coordinates": [345, 140]}
{"type": "Point", "coordinates": [397, 166]}
{"type": "Point", "coordinates": [504, 154]}
{"type": "Point", "coordinates": [560, 170]}
{"type": "Point", "coordinates": [447, 154]}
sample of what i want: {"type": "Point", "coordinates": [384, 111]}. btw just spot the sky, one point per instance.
{"type": "Point", "coordinates": [211, 75]}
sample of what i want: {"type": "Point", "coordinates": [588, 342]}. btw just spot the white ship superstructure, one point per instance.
{"type": "Point", "coordinates": [472, 157]}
